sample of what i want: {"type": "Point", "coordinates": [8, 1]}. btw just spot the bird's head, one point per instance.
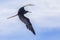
{"type": "Point", "coordinates": [28, 12]}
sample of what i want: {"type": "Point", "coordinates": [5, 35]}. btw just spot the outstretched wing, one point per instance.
{"type": "Point", "coordinates": [28, 23]}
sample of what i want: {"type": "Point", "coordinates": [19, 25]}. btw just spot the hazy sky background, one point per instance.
{"type": "Point", "coordinates": [45, 18]}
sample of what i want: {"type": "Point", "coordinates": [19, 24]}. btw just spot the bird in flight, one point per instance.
{"type": "Point", "coordinates": [24, 19]}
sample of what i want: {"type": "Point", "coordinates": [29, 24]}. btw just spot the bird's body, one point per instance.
{"type": "Point", "coordinates": [27, 22]}
{"type": "Point", "coordinates": [24, 19]}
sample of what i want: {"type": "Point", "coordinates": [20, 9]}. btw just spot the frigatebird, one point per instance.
{"type": "Point", "coordinates": [24, 19]}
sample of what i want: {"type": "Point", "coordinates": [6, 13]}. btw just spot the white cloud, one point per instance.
{"type": "Point", "coordinates": [45, 13]}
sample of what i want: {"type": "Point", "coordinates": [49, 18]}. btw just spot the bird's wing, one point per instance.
{"type": "Point", "coordinates": [28, 24]}
{"type": "Point", "coordinates": [28, 5]}
{"type": "Point", "coordinates": [12, 16]}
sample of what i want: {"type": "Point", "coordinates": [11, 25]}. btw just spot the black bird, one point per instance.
{"type": "Point", "coordinates": [24, 19]}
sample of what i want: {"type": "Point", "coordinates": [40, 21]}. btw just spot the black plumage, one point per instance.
{"type": "Point", "coordinates": [24, 19]}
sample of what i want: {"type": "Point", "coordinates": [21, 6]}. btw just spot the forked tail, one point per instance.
{"type": "Point", "coordinates": [31, 29]}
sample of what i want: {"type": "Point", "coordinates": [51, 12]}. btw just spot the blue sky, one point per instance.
{"type": "Point", "coordinates": [45, 18]}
